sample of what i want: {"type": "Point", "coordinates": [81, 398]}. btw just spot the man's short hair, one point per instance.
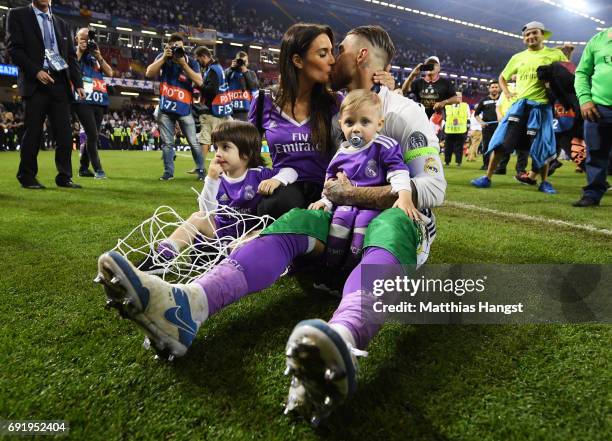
{"type": "Point", "coordinates": [378, 38]}
{"type": "Point", "coordinates": [493, 82]}
{"type": "Point", "coordinates": [176, 37]}
{"type": "Point", "coordinates": [359, 98]}
{"type": "Point", "coordinates": [202, 51]}
{"type": "Point", "coordinates": [242, 54]}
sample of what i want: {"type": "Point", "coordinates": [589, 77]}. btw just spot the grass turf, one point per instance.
{"type": "Point", "coordinates": [64, 357]}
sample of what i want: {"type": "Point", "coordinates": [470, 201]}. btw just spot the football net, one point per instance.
{"type": "Point", "coordinates": [197, 258]}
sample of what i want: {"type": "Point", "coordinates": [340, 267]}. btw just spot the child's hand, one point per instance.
{"type": "Point", "coordinates": [319, 205]}
{"type": "Point", "coordinates": [267, 186]}
{"type": "Point", "coordinates": [404, 202]}
{"type": "Point", "coordinates": [214, 169]}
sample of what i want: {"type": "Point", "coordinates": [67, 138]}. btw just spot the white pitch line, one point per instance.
{"type": "Point", "coordinates": [183, 155]}
{"type": "Point", "coordinates": [526, 217]}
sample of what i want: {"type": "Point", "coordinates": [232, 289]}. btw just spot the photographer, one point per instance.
{"type": "Point", "coordinates": [431, 91]}
{"type": "Point", "coordinates": [178, 74]}
{"type": "Point", "coordinates": [215, 102]}
{"type": "Point", "coordinates": [91, 108]}
{"type": "Point", "coordinates": [242, 83]}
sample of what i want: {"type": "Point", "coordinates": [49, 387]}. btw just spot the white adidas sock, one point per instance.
{"type": "Point", "coordinates": [344, 332]}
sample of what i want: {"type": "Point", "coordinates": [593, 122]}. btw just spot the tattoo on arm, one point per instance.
{"type": "Point", "coordinates": [375, 198]}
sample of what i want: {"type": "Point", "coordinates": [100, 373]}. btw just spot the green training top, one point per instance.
{"type": "Point", "coordinates": [525, 65]}
{"type": "Point", "coordinates": [594, 73]}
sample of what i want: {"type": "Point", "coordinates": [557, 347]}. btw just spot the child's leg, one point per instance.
{"type": "Point", "coordinates": [362, 220]}
{"type": "Point", "coordinates": [339, 236]}
{"type": "Point", "coordinates": [198, 223]}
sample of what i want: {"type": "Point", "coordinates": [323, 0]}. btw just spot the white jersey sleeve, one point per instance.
{"type": "Point", "coordinates": [407, 123]}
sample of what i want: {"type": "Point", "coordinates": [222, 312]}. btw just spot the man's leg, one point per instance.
{"type": "Point", "coordinates": [166, 130]}
{"type": "Point", "coordinates": [189, 130]}
{"type": "Point", "coordinates": [598, 137]}
{"type": "Point", "coordinates": [85, 114]}
{"type": "Point", "coordinates": [322, 356]}
{"type": "Point", "coordinates": [35, 114]}
{"type": "Point", "coordinates": [459, 148]}
{"type": "Point", "coordinates": [449, 146]}
{"type": "Point", "coordinates": [59, 118]}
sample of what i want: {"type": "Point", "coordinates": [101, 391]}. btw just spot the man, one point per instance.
{"type": "Point", "coordinates": [456, 127]}
{"type": "Point", "coordinates": [522, 155]}
{"type": "Point", "coordinates": [486, 107]}
{"type": "Point", "coordinates": [40, 44]}
{"type": "Point", "coordinates": [431, 91]}
{"type": "Point", "coordinates": [178, 74]}
{"type": "Point", "coordinates": [91, 109]}
{"type": "Point", "coordinates": [214, 111]}
{"type": "Point", "coordinates": [593, 85]}
{"type": "Point", "coordinates": [172, 314]}
{"type": "Point", "coordinates": [242, 82]}
{"type": "Point", "coordinates": [528, 123]}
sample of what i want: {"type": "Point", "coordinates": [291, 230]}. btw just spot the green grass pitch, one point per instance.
{"type": "Point", "coordinates": [63, 356]}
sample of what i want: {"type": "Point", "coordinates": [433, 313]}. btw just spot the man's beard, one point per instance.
{"type": "Point", "coordinates": [339, 79]}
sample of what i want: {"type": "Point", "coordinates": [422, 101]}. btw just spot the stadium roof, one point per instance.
{"type": "Point", "coordinates": [569, 20]}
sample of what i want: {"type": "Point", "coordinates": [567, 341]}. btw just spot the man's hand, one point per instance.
{"type": "Point", "coordinates": [404, 202]}
{"type": "Point", "coordinates": [81, 93]}
{"type": "Point", "coordinates": [384, 78]}
{"type": "Point", "coordinates": [97, 54]}
{"type": "Point", "coordinates": [319, 205]}
{"type": "Point", "coordinates": [267, 186]}
{"type": "Point", "coordinates": [589, 112]}
{"type": "Point", "coordinates": [439, 105]}
{"type": "Point", "coordinates": [214, 169]}
{"type": "Point", "coordinates": [44, 77]}
{"type": "Point", "coordinates": [417, 70]}
{"type": "Point", "coordinates": [337, 190]}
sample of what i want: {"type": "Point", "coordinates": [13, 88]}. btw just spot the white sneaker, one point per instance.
{"type": "Point", "coordinates": [169, 314]}
{"type": "Point", "coordinates": [323, 368]}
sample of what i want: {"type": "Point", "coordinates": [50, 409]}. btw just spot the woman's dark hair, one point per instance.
{"type": "Point", "coordinates": [245, 136]}
{"type": "Point", "coordinates": [297, 40]}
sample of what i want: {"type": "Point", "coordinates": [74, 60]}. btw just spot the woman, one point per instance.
{"type": "Point", "coordinates": [296, 116]}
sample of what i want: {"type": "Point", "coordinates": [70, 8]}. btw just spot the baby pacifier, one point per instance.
{"type": "Point", "coordinates": [356, 141]}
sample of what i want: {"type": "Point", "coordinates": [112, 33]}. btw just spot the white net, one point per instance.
{"type": "Point", "coordinates": [196, 258]}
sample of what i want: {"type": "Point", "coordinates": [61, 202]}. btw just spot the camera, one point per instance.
{"type": "Point", "coordinates": [239, 64]}
{"type": "Point", "coordinates": [92, 45]}
{"type": "Point", "coordinates": [177, 51]}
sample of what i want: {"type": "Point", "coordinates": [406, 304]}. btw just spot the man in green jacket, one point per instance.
{"type": "Point", "coordinates": [593, 85]}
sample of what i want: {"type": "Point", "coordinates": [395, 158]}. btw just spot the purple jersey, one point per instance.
{"type": "Point", "coordinates": [368, 166]}
{"type": "Point", "coordinates": [289, 142]}
{"type": "Point", "coordinates": [241, 195]}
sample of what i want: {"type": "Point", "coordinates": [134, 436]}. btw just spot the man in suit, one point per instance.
{"type": "Point", "coordinates": [40, 44]}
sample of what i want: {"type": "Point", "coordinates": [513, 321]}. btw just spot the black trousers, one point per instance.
{"type": "Point", "coordinates": [90, 116]}
{"type": "Point", "coordinates": [453, 143]}
{"type": "Point", "coordinates": [487, 134]}
{"type": "Point", "coordinates": [52, 101]}
{"type": "Point", "coordinates": [296, 195]}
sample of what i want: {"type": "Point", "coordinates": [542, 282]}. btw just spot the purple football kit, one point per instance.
{"type": "Point", "coordinates": [289, 142]}
{"type": "Point", "coordinates": [375, 164]}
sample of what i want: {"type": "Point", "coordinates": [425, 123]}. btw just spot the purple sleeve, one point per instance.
{"type": "Point", "coordinates": [253, 110]}
{"type": "Point", "coordinates": [392, 158]}
{"type": "Point", "coordinates": [267, 173]}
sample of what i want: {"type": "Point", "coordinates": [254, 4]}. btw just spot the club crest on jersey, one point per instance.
{"type": "Point", "coordinates": [371, 170]}
{"type": "Point", "coordinates": [416, 140]}
{"type": "Point", "coordinates": [182, 78]}
{"type": "Point", "coordinates": [249, 193]}
{"type": "Point", "coordinates": [431, 166]}
{"type": "Point", "coordinates": [272, 124]}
